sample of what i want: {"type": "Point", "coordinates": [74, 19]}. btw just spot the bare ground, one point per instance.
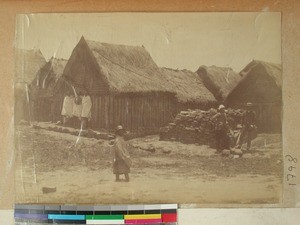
{"type": "Point", "coordinates": [78, 171]}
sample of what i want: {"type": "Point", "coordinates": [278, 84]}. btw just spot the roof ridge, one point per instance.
{"type": "Point", "coordinates": [113, 44]}
{"type": "Point", "coordinates": [57, 59]}
{"type": "Point", "coordinates": [266, 62]}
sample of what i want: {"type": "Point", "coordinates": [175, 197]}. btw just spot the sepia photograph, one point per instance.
{"type": "Point", "coordinates": [148, 108]}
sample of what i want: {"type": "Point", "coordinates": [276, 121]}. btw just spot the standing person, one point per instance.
{"type": "Point", "coordinates": [77, 109]}
{"type": "Point", "coordinates": [86, 110]}
{"type": "Point", "coordinates": [121, 157]}
{"type": "Point", "coordinates": [67, 108]}
{"type": "Point", "coordinates": [221, 128]}
{"type": "Point", "coordinates": [248, 126]}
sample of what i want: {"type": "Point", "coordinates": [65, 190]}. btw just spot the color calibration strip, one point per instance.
{"type": "Point", "coordinates": [103, 214]}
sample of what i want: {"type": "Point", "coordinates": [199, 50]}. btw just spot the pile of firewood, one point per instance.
{"type": "Point", "coordinates": [197, 126]}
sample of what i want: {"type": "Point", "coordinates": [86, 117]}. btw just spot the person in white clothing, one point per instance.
{"type": "Point", "coordinates": [86, 110]}
{"type": "Point", "coordinates": [77, 109]}
{"type": "Point", "coordinates": [67, 108]}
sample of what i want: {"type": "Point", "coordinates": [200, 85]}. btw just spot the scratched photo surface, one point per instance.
{"type": "Point", "coordinates": [128, 108]}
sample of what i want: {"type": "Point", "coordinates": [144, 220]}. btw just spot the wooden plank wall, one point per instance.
{"type": "Point", "coordinates": [269, 117]}
{"type": "Point", "coordinates": [136, 113]}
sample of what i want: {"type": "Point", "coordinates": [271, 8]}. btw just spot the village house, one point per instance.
{"type": "Point", "coordinates": [261, 84]}
{"type": "Point", "coordinates": [27, 64]}
{"type": "Point", "coordinates": [45, 94]}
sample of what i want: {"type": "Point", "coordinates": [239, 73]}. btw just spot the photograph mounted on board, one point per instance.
{"type": "Point", "coordinates": [129, 108]}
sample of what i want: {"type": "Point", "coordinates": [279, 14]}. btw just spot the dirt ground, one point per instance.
{"type": "Point", "coordinates": [60, 168]}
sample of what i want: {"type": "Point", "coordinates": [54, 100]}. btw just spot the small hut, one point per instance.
{"type": "Point", "coordinates": [45, 93]}
{"type": "Point", "coordinates": [261, 84]}
{"type": "Point", "coordinates": [219, 80]}
{"type": "Point", "coordinates": [190, 90]}
{"type": "Point", "coordinates": [27, 64]}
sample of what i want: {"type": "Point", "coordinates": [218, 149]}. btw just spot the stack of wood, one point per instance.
{"type": "Point", "coordinates": [197, 126]}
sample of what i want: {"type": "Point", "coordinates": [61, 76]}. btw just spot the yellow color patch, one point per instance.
{"type": "Point", "coordinates": [142, 216]}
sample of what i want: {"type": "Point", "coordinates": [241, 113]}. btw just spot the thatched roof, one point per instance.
{"type": "Point", "coordinates": [187, 86]}
{"type": "Point", "coordinates": [48, 77]}
{"type": "Point", "coordinates": [130, 69]}
{"type": "Point", "coordinates": [272, 69]}
{"type": "Point", "coordinates": [261, 81]}
{"type": "Point", "coordinates": [126, 68]}
{"type": "Point", "coordinates": [52, 70]}
{"type": "Point", "coordinates": [219, 80]}
{"type": "Point", "coordinates": [27, 64]}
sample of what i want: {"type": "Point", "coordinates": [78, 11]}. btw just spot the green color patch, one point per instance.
{"type": "Point", "coordinates": [104, 217]}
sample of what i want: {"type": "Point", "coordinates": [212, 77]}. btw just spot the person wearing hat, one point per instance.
{"type": "Point", "coordinates": [221, 129]}
{"type": "Point", "coordinates": [248, 126]}
{"type": "Point", "coordinates": [121, 157]}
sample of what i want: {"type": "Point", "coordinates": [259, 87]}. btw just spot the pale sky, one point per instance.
{"type": "Point", "coordinates": [174, 40]}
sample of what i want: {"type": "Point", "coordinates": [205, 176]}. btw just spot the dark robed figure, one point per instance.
{"type": "Point", "coordinates": [248, 127]}
{"type": "Point", "coordinates": [221, 129]}
{"type": "Point", "coordinates": [121, 157]}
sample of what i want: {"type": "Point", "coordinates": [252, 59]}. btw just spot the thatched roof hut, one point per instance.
{"type": "Point", "coordinates": [27, 64]}
{"type": "Point", "coordinates": [219, 80]}
{"type": "Point", "coordinates": [46, 82]}
{"type": "Point", "coordinates": [124, 84]}
{"type": "Point", "coordinates": [261, 84]}
{"type": "Point", "coordinates": [45, 91]}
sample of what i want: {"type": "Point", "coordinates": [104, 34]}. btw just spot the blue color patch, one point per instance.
{"type": "Point", "coordinates": [65, 217]}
